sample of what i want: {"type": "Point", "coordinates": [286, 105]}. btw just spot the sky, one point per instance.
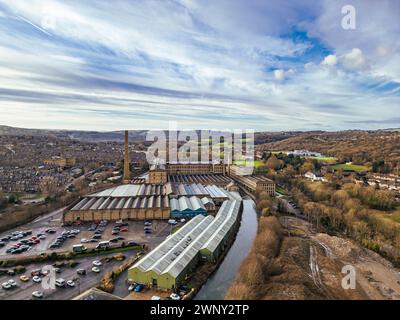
{"type": "Point", "coordinates": [209, 64]}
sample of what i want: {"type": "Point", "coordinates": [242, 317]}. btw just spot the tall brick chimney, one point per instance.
{"type": "Point", "coordinates": [127, 173]}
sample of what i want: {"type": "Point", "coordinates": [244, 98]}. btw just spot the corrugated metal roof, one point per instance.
{"type": "Point", "coordinates": [229, 213]}
{"type": "Point", "coordinates": [133, 190]}
{"type": "Point", "coordinates": [111, 203]}
{"type": "Point", "coordinates": [80, 204]}
{"type": "Point", "coordinates": [212, 235]}
{"type": "Point", "coordinates": [187, 203]}
{"type": "Point", "coordinates": [175, 253]}
{"type": "Point", "coordinates": [162, 249]}
{"type": "Point", "coordinates": [177, 250]}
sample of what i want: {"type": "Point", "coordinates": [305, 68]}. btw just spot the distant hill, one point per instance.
{"type": "Point", "coordinates": [352, 145]}
{"type": "Point", "coordinates": [93, 136]}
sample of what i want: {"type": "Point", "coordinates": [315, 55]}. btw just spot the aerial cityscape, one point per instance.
{"type": "Point", "coordinates": [199, 151]}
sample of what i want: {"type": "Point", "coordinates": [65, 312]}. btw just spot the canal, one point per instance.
{"type": "Point", "coordinates": [218, 284]}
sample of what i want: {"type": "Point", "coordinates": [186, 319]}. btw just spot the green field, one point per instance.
{"type": "Point", "coordinates": [255, 163]}
{"type": "Point", "coordinates": [325, 159]}
{"type": "Point", "coordinates": [350, 167]}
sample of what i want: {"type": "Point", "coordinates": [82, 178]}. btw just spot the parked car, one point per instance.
{"type": "Point", "coordinates": [70, 283]}
{"type": "Point", "coordinates": [155, 298]}
{"type": "Point", "coordinates": [103, 245]}
{"type": "Point", "coordinates": [84, 240]}
{"type": "Point", "coordinates": [2, 244]}
{"type": "Point", "coordinates": [12, 283]}
{"type": "Point", "coordinates": [113, 240]}
{"type": "Point", "coordinates": [96, 263]}
{"type": "Point", "coordinates": [124, 229]}
{"type": "Point", "coordinates": [92, 227]}
{"type": "Point", "coordinates": [81, 271]}
{"type": "Point", "coordinates": [24, 278]}
{"type": "Point", "coordinates": [147, 231]}
{"type": "Point", "coordinates": [132, 287]}
{"type": "Point", "coordinates": [44, 273]}
{"type": "Point", "coordinates": [115, 232]}
{"type": "Point", "coordinates": [175, 296]}
{"type": "Point", "coordinates": [16, 251]}
{"type": "Point", "coordinates": [147, 223]}
{"type": "Point", "coordinates": [95, 269]}
{"type": "Point", "coordinates": [60, 282]}
{"type": "Point", "coordinates": [37, 279]}
{"type": "Point", "coordinates": [6, 285]}
{"type": "Point", "coordinates": [78, 248]}
{"type": "Point", "coordinates": [97, 237]}
{"type": "Point", "coordinates": [172, 221]}
{"type": "Point", "coordinates": [139, 288]}
{"type": "Point", "coordinates": [11, 272]}
{"type": "Point", "coordinates": [37, 294]}
{"type": "Point", "coordinates": [35, 272]}
{"type": "Point", "coordinates": [132, 243]}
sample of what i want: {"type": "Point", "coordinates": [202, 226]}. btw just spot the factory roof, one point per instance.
{"type": "Point", "coordinates": [211, 191]}
{"type": "Point", "coordinates": [132, 190]}
{"type": "Point", "coordinates": [174, 254]}
{"type": "Point", "coordinates": [187, 204]}
{"type": "Point", "coordinates": [111, 203]}
{"type": "Point", "coordinates": [210, 236]}
{"type": "Point", "coordinates": [210, 178]}
{"type": "Point", "coordinates": [229, 212]}
{"type": "Point", "coordinates": [169, 243]}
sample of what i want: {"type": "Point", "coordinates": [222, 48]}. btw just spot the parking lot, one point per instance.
{"type": "Point", "coordinates": [40, 239]}
{"type": "Point", "coordinates": [24, 290]}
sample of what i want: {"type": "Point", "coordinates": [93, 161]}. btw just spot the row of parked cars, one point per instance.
{"type": "Point", "coordinates": [23, 244]}
{"type": "Point", "coordinates": [15, 236]}
{"type": "Point", "coordinates": [38, 274]}
{"type": "Point", "coordinates": [66, 234]}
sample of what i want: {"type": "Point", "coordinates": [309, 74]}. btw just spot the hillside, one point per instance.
{"type": "Point", "coordinates": [307, 265]}
{"type": "Point", "coordinates": [356, 146]}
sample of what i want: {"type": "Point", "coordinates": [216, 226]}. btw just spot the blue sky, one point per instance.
{"type": "Point", "coordinates": [215, 64]}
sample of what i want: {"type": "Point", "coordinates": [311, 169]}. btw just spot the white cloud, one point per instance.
{"type": "Point", "coordinates": [330, 60]}
{"type": "Point", "coordinates": [152, 61]}
{"type": "Point", "coordinates": [279, 74]}
{"type": "Point", "coordinates": [354, 60]}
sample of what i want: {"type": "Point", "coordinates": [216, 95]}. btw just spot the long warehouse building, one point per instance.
{"type": "Point", "coordinates": [202, 238]}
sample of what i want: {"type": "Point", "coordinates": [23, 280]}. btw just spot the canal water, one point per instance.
{"type": "Point", "coordinates": [218, 284]}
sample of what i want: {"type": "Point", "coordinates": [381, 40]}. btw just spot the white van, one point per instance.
{"type": "Point", "coordinates": [78, 248]}
{"type": "Point", "coordinates": [103, 245]}
{"type": "Point", "coordinates": [60, 282]}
